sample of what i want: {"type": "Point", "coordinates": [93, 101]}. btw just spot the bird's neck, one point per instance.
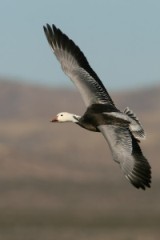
{"type": "Point", "coordinates": [75, 118]}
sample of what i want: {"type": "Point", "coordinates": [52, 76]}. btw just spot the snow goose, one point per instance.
{"type": "Point", "coordinates": [122, 130]}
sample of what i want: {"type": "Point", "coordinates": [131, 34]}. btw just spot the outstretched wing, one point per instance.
{"type": "Point", "coordinates": [127, 153]}
{"type": "Point", "coordinates": [76, 67]}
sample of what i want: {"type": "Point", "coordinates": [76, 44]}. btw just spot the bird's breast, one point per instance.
{"type": "Point", "coordinates": [89, 122]}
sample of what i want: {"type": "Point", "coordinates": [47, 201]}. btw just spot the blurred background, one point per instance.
{"type": "Point", "coordinates": [59, 181]}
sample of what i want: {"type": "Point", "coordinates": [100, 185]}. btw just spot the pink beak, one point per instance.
{"type": "Point", "coordinates": [54, 119]}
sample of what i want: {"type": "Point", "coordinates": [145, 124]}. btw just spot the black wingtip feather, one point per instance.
{"type": "Point", "coordinates": [140, 177]}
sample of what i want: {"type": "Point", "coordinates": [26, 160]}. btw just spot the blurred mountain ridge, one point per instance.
{"type": "Point", "coordinates": [31, 101]}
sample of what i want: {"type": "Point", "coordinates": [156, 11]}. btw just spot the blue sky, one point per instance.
{"type": "Point", "coordinates": [120, 38]}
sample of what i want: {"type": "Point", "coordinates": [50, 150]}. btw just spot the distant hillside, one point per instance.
{"type": "Point", "coordinates": [27, 101]}
{"type": "Point", "coordinates": [25, 112]}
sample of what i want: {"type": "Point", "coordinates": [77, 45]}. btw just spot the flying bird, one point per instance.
{"type": "Point", "coordinates": [122, 130]}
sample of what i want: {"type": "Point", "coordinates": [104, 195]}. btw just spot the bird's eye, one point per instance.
{"type": "Point", "coordinates": [61, 115]}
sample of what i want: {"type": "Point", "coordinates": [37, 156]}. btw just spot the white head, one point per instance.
{"type": "Point", "coordinates": [66, 117]}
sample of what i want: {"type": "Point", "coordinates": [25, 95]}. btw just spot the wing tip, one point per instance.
{"type": "Point", "coordinates": [140, 179]}
{"type": "Point", "coordinates": [50, 32]}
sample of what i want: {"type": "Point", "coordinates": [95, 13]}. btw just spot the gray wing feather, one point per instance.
{"type": "Point", "coordinates": [76, 67]}
{"type": "Point", "coordinates": [127, 153]}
